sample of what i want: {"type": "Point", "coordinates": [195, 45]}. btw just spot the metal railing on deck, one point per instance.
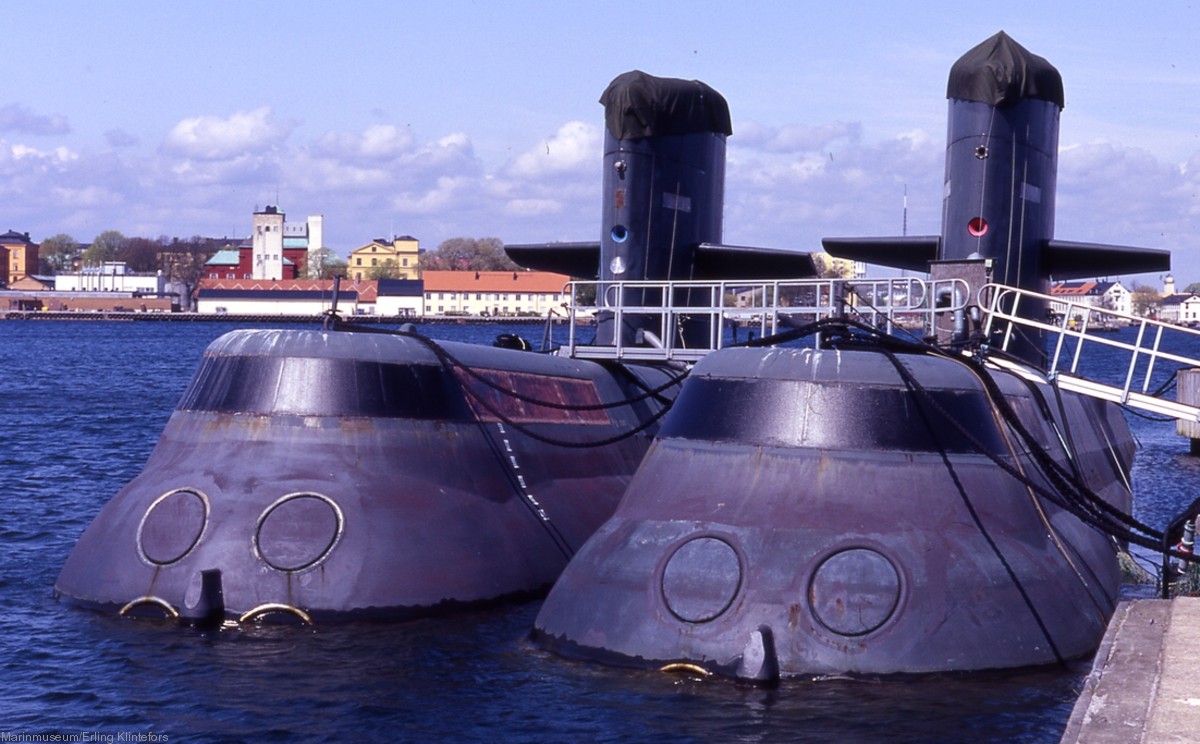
{"type": "Point", "coordinates": [662, 310]}
{"type": "Point", "coordinates": [1085, 326]}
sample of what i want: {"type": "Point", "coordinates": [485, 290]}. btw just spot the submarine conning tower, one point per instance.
{"type": "Point", "coordinates": [1001, 160]}
{"type": "Point", "coordinates": [661, 217]}
{"type": "Point", "coordinates": [999, 192]}
{"type": "Point", "coordinates": [1001, 169]}
{"type": "Point", "coordinates": [664, 187]}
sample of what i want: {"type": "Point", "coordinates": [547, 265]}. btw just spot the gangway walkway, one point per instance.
{"type": "Point", "coordinates": [1081, 326]}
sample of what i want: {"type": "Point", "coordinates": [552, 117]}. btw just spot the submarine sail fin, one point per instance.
{"type": "Point", "coordinates": [577, 259]}
{"type": "Point", "coordinates": [908, 252]}
{"type": "Point", "coordinates": [1064, 259]}
{"type": "Point", "coordinates": [715, 261]}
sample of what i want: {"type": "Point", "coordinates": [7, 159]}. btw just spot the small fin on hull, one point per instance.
{"type": "Point", "coordinates": [577, 260]}
{"type": "Point", "coordinates": [1064, 259]}
{"type": "Point", "coordinates": [909, 252]}
{"type": "Point", "coordinates": [714, 261]}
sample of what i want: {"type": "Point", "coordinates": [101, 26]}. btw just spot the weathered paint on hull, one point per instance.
{"type": "Point", "coordinates": [349, 496]}
{"type": "Point", "coordinates": [824, 515]}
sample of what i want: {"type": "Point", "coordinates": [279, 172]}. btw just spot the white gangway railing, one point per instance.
{"type": "Point", "coordinates": [1157, 345]}
{"type": "Point", "coordinates": [765, 307]}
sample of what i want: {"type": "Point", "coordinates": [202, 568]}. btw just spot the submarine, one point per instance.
{"type": "Point", "coordinates": [838, 500]}
{"type": "Point", "coordinates": [337, 473]}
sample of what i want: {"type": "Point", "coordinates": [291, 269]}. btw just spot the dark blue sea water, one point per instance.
{"type": "Point", "coordinates": [81, 406]}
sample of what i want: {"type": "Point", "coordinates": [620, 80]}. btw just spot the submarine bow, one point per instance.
{"type": "Point", "coordinates": [346, 474]}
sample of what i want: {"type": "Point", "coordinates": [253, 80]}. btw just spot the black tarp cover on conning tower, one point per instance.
{"type": "Point", "coordinates": [638, 105]}
{"type": "Point", "coordinates": [1001, 72]}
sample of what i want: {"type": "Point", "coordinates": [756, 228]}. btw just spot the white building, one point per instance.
{"type": "Point", "coordinates": [304, 302]}
{"type": "Point", "coordinates": [400, 297]}
{"type": "Point", "coordinates": [1181, 308]}
{"type": "Point", "coordinates": [1072, 297]}
{"type": "Point", "coordinates": [494, 292]}
{"type": "Point", "coordinates": [115, 276]}
{"type": "Point", "coordinates": [267, 245]}
{"type": "Point", "coordinates": [274, 237]}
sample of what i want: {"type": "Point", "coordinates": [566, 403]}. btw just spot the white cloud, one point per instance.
{"type": "Point", "coordinates": [533, 207]}
{"type": "Point", "coordinates": [88, 197]}
{"type": "Point", "coordinates": [242, 169]}
{"type": "Point", "coordinates": [794, 138]}
{"type": "Point", "coordinates": [56, 155]}
{"type": "Point", "coordinates": [213, 138]}
{"type": "Point", "coordinates": [379, 141]}
{"type": "Point", "coordinates": [573, 148]}
{"type": "Point", "coordinates": [786, 186]}
{"type": "Point", "coordinates": [440, 196]}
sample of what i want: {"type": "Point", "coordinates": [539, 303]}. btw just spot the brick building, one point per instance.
{"type": "Point", "coordinates": [276, 249]}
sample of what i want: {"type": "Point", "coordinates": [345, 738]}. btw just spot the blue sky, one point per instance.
{"type": "Point", "coordinates": [458, 118]}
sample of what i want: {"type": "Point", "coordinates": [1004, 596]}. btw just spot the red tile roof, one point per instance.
{"type": "Point", "coordinates": [1073, 288]}
{"type": "Point", "coordinates": [367, 290]}
{"type": "Point", "coordinates": [494, 281]}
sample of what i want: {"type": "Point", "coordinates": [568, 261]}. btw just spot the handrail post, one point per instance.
{"type": "Point", "coordinates": [1153, 358]}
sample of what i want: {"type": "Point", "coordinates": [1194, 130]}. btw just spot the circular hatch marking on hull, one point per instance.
{"type": "Point", "coordinates": [298, 531]}
{"type": "Point", "coordinates": [172, 526]}
{"type": "Point", "coordinates": [701, 579]}
{"type": "Point", "coordinates": [855, 591]}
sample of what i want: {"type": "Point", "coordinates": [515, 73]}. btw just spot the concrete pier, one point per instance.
{"type": "Point", "coordinates": [1144, 683]}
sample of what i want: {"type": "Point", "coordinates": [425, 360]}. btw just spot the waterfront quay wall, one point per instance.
{"type": "Point", "coordinates": [1142, 688]}
{"type": "Point", "coordinates": [185, 317]}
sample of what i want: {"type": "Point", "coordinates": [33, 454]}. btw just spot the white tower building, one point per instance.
{"type": "Point", "coordinates": [316, 233]}
{"type": "Point", "coordinates": [267, 244]}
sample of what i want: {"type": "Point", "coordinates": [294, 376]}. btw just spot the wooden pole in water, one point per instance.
{"type": "Point", "coordinates": [1187, 390]}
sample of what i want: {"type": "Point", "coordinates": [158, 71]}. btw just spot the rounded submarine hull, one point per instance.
{"type": "Point", "coordinates": [344, 474]}
{"type": "Point", "coordinates": [802, 512]}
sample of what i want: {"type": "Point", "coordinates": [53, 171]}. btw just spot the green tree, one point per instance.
{"type": "Point", "coordinates": [323, 263]}
{"type": "Point", "coordinates": [386, 270]}
{"type": "Point", "coordinates": [469, 254]}
{"type": "Point", "coordinates": [57, 254]}
{"type": "Point", "coordinates": [1145, 300]}
{"type": "Point", "coordinates": [1193, 288]}
{"type": "Point", "coordinates": [139, 254]}
{"type": "Point", "coordinates": [184, 261]}
{"type": "Point", "coordinates": [106, 247]}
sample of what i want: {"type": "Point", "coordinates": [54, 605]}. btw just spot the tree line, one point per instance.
{"type": "Point", "coordinates": [454, 254]}
{"type": "Point", "coordinates": [183, 259]}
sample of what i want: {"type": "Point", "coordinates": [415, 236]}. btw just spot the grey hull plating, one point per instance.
{"type": "Point", "coordinates": [350, 474]}
{"type": "Point", "coordinates": [802, 497]}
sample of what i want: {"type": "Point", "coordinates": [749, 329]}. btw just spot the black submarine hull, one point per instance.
{"type": "Point", "coordinates": [337, 474]}
{"type": "Point", "coordinates": [803, 512]}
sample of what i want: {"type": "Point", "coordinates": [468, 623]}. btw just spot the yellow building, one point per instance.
{"type": "Point", "coordinates": [20, 257]}
{"type": "Point", "coordinates": [371, 261]}
{"type": "Point", "coordinates": [838, 268]}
